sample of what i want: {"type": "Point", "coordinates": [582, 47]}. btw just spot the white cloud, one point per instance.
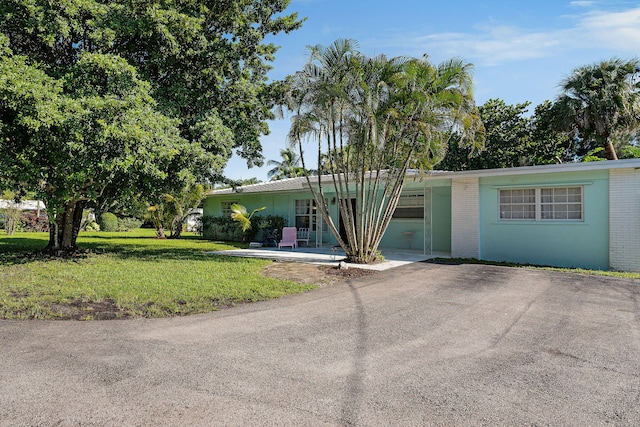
{"type": "Point", "coordinates": [492, 45]}
{"type": "Point", "coordinates": [581, 3]}
{"type": "Point", "coordinates": [615, 32]}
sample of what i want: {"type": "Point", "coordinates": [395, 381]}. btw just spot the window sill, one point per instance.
{"type": "Point", "coordinates": [545, 222]}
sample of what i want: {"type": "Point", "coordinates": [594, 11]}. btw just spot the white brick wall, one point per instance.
{"type": "Point", "coordinates": [465, 218]}
{"type": "Point", "coordinates": [624, 219]}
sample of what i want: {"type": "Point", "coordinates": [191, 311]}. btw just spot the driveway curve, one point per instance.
{"type": "Point", "coordinates": [423, 344]}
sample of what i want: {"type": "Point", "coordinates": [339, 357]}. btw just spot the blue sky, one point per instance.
{"type": "Point", "coordinates": [521, 49]}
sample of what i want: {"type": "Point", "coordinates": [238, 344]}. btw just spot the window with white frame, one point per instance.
{"type": "Point", "coordinates": [518, 204]}
{"type": "Point", "coordinates": [305, 214]}
{"type": "Point", "coordinates": [561, 203]}
{"type": "Point", "coordinates": [226, 208]}
{"type": "Point", "coordinates": [410, 206]}
{"type": "Point", "coordinates": [542, 204]}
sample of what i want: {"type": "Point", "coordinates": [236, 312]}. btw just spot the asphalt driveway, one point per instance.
{"type": "Point", "coordinates": [423, 344]}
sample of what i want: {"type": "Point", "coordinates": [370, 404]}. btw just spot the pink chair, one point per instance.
{"type": "Point", "coordinates": [289, 237]}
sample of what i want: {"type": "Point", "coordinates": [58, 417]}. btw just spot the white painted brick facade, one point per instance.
{"type": "Point", "coordinates": [465, 218]}
{"type": "Point", "coordinates": [624, 220]}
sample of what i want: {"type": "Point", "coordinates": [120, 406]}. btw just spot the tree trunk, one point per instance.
{"type": "Point", "coordinates": [160, 232]}
{"type": "Point", "coordinates": [610, 151]}
{"type": "Point", "coordinates": [64, 231]}
{"type": "Point", "coordinates": [176, 227]}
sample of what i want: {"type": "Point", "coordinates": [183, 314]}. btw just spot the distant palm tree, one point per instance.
{"type": "Point", "coordinates": [289, 167]}
{"type": "Point", "coordinates": [600, 100]}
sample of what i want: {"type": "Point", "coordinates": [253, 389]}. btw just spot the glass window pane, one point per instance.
{"type": "Point", "coordinates": [530, 212]}
{"type": "Point", "coordinates": [575, 207]}
{"type": "Point", "coordinates": [530, 197]}
{"type": "Point", "coordinates": [516, 197]}
{"type": "Point", "coordinates": [517, 204]}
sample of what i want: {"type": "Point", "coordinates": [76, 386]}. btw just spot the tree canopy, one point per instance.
{"type": "Point", "coordinates": [376, 117]}
{"type": "Point", "coordinates": [512, 138]}
{"type": "Point", "coordinates": [102, 99]}
{"type": "Point", "coordinates": [598, 101]}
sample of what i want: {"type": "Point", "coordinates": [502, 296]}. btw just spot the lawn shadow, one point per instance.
{"type": "Point", "coordinates": [19, 250]}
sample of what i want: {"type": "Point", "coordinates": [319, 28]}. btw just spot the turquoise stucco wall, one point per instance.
{"type": "Point", "coordinates": [559, 243]}
{"type": "Point", "coordinates": [395, 239]}
{"type": "Point", "coordinates": [441, 219]}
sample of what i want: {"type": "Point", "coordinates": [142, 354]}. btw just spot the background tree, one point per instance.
{"type": "Point", "coordinates": [376, 117]}
{"type": "Point", "coordinates": [289, 167]}
{"type": "Point", "coordinates": [65, 137]}
{"type": "Point", "coordinates": [507, 144]}
{"type": "Point", "coordinates": [195, 90]}
{"type": "Point", "coordinates": [599, 100]}
{"type": "Point", "coordinates": [512, 138]}
{"type": "Point", "coordinates": [181, 205]}
{"type": "Point", "coordinates": [157, 216]}
{"type": "Point", "coordinates": [548, 144]}
{"type": "Point", "coordinates": [11, 212]}
{"type": "Point", "coordinates": [238, 183]}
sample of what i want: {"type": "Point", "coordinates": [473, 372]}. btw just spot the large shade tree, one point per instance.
{"type": "Point", "coordinates": [599, 100]}
{"type": "Point", "coordinates": [103, 98]}
{"type": "Point", "coordinates": [66, 137]}
{"type": "Point", "coordinates": [375, 118]}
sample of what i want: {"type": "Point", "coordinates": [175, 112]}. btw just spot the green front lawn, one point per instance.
{"type": "Point", "coordinates": [128, 275]}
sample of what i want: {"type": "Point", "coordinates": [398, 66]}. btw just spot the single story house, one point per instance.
{"type": "Point", "coordinates": [569, 215]}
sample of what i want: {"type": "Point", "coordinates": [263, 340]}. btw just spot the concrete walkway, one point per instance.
{"type": "Point", "coordinates": [329, 255]}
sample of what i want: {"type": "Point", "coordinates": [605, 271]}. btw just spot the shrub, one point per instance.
{"type": "Point", "coordinates": [92, 226]}
{"type": "Point", "coordinates": [220, 228]}
{"type": "Point", "coordinates": [198, 228]}
{"type": "Point", "coordinates": [275, 222]}
{"type": "Point", "coordinates": [12, 219]}
{"type": "Point", "coordinates": [250, 234]}
{"type": "Point", "coordinates": [128, 223]}
{"type": "Point", "coordinates": [108, 222]}
{"type": "Point", "coordinates": [272, 226]}
{"type": "Point", "coordinates": [224, 228]}
{"type": "Point", "coordinates": [31, 222]}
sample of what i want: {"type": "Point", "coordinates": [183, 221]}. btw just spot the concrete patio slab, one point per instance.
{"type": "Point", "coordinates": [328, 255]}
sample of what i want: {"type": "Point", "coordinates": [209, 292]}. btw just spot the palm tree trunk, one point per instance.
{"type": "Point", "coordinates": [610, 150]}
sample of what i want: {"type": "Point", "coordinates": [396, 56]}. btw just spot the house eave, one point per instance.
{"type": "Point", "coordinates": [539, 169]}
{"type": "Point", "coordinates": [291, 185]}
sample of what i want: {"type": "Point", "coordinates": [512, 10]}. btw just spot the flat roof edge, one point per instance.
{"type": "Point", "coordinates": [300, 183]}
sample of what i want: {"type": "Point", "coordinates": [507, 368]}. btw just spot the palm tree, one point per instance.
{"type": "Point", "coordinates": [372, 119]}
{"type": "Point", "coordinates": [599, 100]}
{"type": "Point", "coordinates": [289, 167]}
{"type": "Point", "coordinates": [181, 204]}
